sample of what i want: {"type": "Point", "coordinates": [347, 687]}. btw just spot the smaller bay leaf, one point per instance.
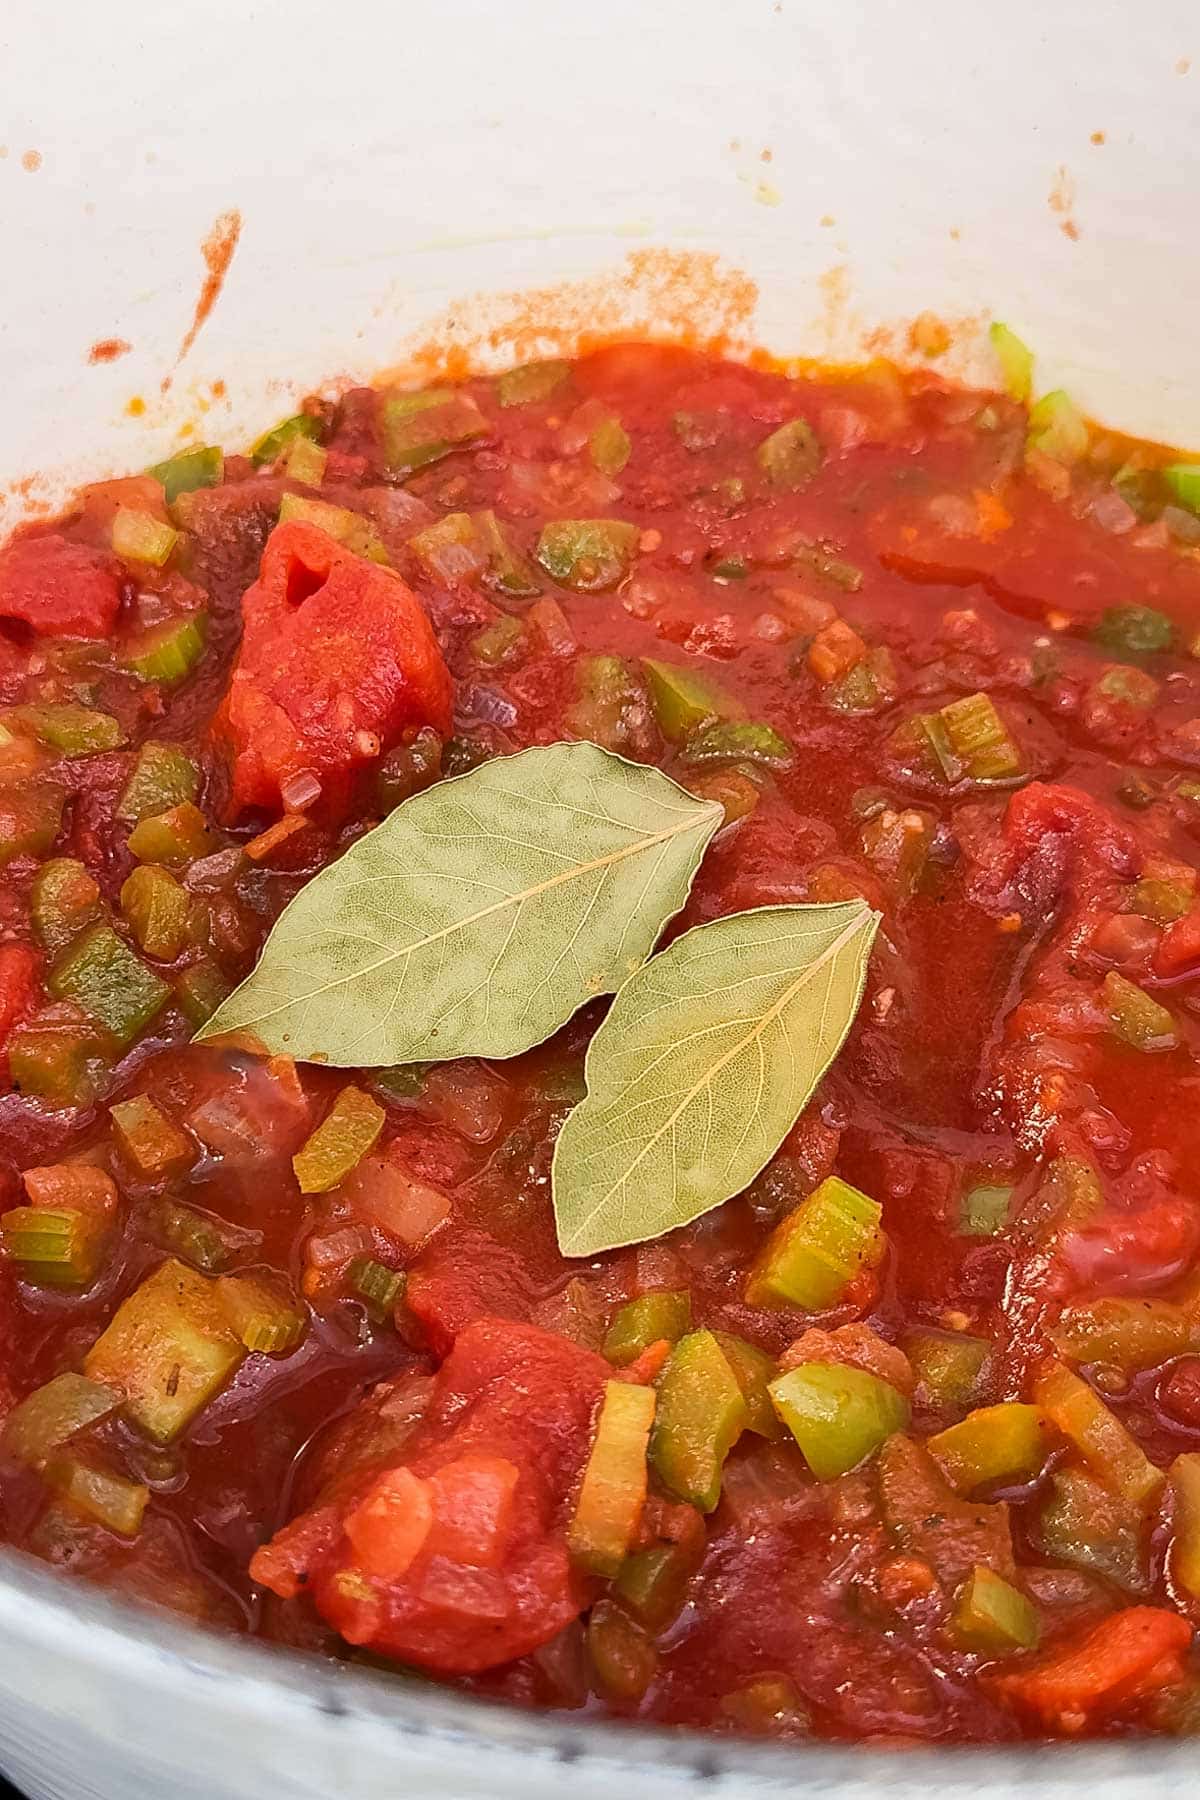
{"type": "Point", "coordinates": [479, 916]}
{"type": "Point", "coordinates": [707, 1057]}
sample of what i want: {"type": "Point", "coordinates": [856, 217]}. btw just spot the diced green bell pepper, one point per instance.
{"type": "Point", "coordinates": [507, 569]}
{"type": "Point", "coordinates": [683, 700]}
{"type": "Point", "coordinates": [948, 1366]}
{"type": "Point", "coordinates": [421, 428]}
{"type": "Point", "coordinates": [664, 1313]}
{"type": "Point", "coordinates": [612, 706]}
{"type": "Point", "coordinates": [189, 470]}
{"type": "Point", "coordinates": [75, 730]}
{"type": "Point", "coordinates": [623, 1659]}
{"type": "Point", "coordinates": [156, 908]}
{"type": "Point", "coordinates": [754, 1371]}
{"type": "Point", "coordinates": [30, 817]}
{"type": "Point", "coordinates": [1126, 686]}
{"type": "Point", "coordinates": [838, 1415]}
{"type": "Point", "coordinates": [64, 898]}
{"type": "Point", "coordinates": [652, 1584]}
{"type": "Point", "coordinates": [167, 653]}
{"type": "Point", "coordinates": [993, 1616]}
{"type": "Point", "coordinates": [340, 1141]}
{"type": "Point", "coordinates": [305, 462]}
{"type": "Point", "coordinates": [1057, 429]}
{"type": "Point", "coordinates": [1161, 901]}
{"type": "Point", "coordinates": [589, 555]}
{"type": "Point", "coordinates": [1134, 630]}
{"type": "Point", "coordinates": [162, 777]}
{"type": "Point", "coordinates": [813, 1254]}
{"type": "Point", "coordinates": [167, 1350]}
{"type": "Point", "coordinates": [531, 382]}
{"type": "Point", "coordinates": [272, 444]}
{"type": "Point", "coordinates": [791, 456]}
{"type": "Point", "coordinates": [739, 740]}
{"type": "Point", "coordinates": [499, 643]}
{"type": "Point", "coordinates": [112, 985]}
{"type": "Point", "coordinates": [701, 1414]}
{"type": "Point", "coordinates": [1006, 1443]}
{"type": "Point", "coordinates": [192, 1235]}
{"type": "Point", "coordinates": [141, 538]}
{"type": "Point", "coordinates": [1109, 1450]}
{"type": "Point", "coordinates": [1083, 1524]}
{"type": "Point", "coordinates": [177, 836]}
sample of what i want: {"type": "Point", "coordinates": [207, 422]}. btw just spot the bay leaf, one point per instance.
{"type": "Point", "coordinates": [707, 1057]}
{"type": "Point", "coordinates": [479, 915]}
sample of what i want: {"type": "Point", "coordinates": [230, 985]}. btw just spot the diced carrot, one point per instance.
{"type": "Point", "coordinates": [1129, 1654]}
{"type": "Point", "coordinates": [648, 1366]}
{"type": "Point", "coordinates": [76, 1186]}
{"type": "Point", "coordinates": [388, 1528]}
{"type": "Point", "coordinates": [473, 1505]}
{"type": "Point", "coordinates": [262, 846]}
{"type": "Point", "coordinates": [992, 514]}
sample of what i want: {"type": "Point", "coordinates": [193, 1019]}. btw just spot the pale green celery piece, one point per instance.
{"type": "Point", "coordinates": [273, 443]}
{"type": "Point", "coordinates": [191, 469]}
{"type": "Point", "coordinates": [791, 456]}
{"type": "Point", "coordinates": [837, 1414]}
{"type": "Point", "coordinates": [140, 537]}
{"type": "Point", "coordinates": [531, 382]}
{"type": "Point", "coordinates": [1134, 1017]}
{"type": "Point", "coordinates": [984, 1210]}
{"type": "Point", "coordinates": [169, 652]}
{"type": "Point", "coordinates": [75, 730]}
{"type": "Point", "coordinates": [1016, 362]}
{"type": "Point", "coordinates": [163, 776]}
{"type": "Point", "coordinates": [1057, 429]}
{"type": "Point", "coordinates": [993, 1616]}
{"type": "Point", "coordinates": [1183, 479]}
{"type": "Point", "coordinates": [610, 446]}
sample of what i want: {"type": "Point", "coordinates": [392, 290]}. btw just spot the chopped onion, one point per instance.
{"type": "Point", "coordinates": [300, 791]}
{"type": "Point", "coordinates": [487, 704]}
{"type": "Point", "coordinates": [1112, 513]}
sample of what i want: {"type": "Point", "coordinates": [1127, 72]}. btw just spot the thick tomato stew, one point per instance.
{"type": "Point", "coordinates": [901, 1441]}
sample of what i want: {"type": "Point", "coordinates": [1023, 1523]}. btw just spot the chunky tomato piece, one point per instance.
{"type": "Point", "coordinates": [60, 588]}
{"type": "Point", "coordinates": [1089, 1678]}
{"type": "Point", "coordinates": [457, 1559]}
{"type": "Point", "coordinates": [18, 989]}
{"type": "Point", "coordinates": [337, 659]}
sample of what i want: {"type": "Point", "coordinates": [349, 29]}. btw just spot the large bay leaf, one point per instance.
{"type": "Point", "coordinates": [479, 916]}
{"type": "Point", "coordinates": [705, 1061]}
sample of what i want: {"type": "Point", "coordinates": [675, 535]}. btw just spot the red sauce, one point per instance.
{"type": "Point", "coordinates": [404, 1477]}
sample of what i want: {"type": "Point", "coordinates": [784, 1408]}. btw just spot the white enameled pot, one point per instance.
{"type": "Point", "coordinates": [208, 211]}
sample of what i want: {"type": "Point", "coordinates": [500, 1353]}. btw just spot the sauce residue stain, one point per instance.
{"type": "Point", "coordinates": [31, 162]}
{"type": "Point", "coordinates": [1062, 201]}
{"type": "Point", "coordinates": [107, 350]}
{"type": "Point", "coordinates": [1099, 137]}
{"type": "Point", "coordinates": [682, 297]}
{"type": "Point", "coordinates": [1183, 65]}
{"type": "Point", "coordinates": [217, 250]}
{"type": "Point", "coordinates": [135, 406]}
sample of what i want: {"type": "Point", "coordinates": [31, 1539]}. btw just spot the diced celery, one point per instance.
{"type": "Point", "coordinates": [589, 555]}
{"type": "Point", "coordinates": [149, 1141]}
{"type": "Point", "coordinates": [506, 569]}
{"type": "Point", "coordinates": [1006, 1443]}
{"type": "Point", "coordinates": [1116, 1457]}
{"type": "Point", "coordinates": [263, 1312]}
{"type": "Point", "coordinates": [791, 456]}
{"type": "Point", "coordinates": [1134, 1017]}
{"type": "Point", "coordinates": [75, 730]}
{"type": "Point", "coordinates": [30, 817]}
{"type": "Point", "coordinates": [1185, 1547]}
{"type": "Point", "coordinates": [199, 990]}
{"type": "Point", "coordinates": [818, 559]}
{"type": "Point", "coordinates": [1085, 1525]}
{"type": "Point", "coordinates": [984, 1209]}
{"type": "Point", "coordinates": [1126, 686]}
{"type": "Point", "coordinates": [163, 776]}
{"type": "Point", "coordinates": [866, 687]}
{"type": "Point", "coordinates": [838, 1415]}
{"type": "Point", "coordinates": [1057, 429]}
{"type": "Point", "coordinates": [305, 462]}
{"type": "Point", "coordinates": [1183, 479]}
{"type": "Point", "coordinates": [613, 1492]}
{"type": "Point", "coordinates": [1016, 362]}
{"type": "Point", "coordinates": [178, 835]}
{"type": "Point", "coordinates": [64, 898]}
{"type": "Point", "coordinates": [168, 652]}
{"type": "Point", "coordinates": [609, 446]}
{"type": "Point", "coordinates": [54, 1246]}
{"type": "Point", "coordinates": [701, 1414]}
{"type": "Point", "coordinates": [1162, 901]}
{"type": "Point", "coordinates": [49, 1060]}
{"type": "Point", "coordinates": [499, 643]}
{"type": "Point", "coordinates": [339, 1142]}
{"type": "Point", "coordinates": [418, 429]}
{"type": "Point", "coordinates": [377, 1286]}
{"type": "Point", "coordinates": [768, 1706]}
{"type": "Point", "coordinates": [813, 1254]}
{"type": "Point", "coordinates": [993, 1616]}
{"type": "Point", "coordinates": [198, 1239]}
{"type": "Point", "coordinates": [652, 1584]}
{"type": "Point", "coordinates": [948, 1366]}
{"type": "Point", "coordinates": [351, 529]}
{"type": "Point", "coordinates": [623, 1659]}
{"type": "Point", "coordinates": [1125, 1333]}
{"type": "Point", "coordinates": [980, 739]}
{"type": "Point", "coordinates": [109, 1499]}
{"type": "Point", "coordinates": [1134, 630]}
{"type": "Point", "coordinates": [530, 382]}
{"type": "Point", "coordinates": [189, 470]}
{"type": "Point", "coordinates": [664, 1313]}
{"type": "Point", "coordinates": [140, 537]}
{"type": "Point", "coordinates": [168, 1349]}
{"type": "Point", "coordinates": [156, 908]}
{"type": "Point", "coordinates": [304, 427]}
{"type": "Point", "coordinates": [683, 701]}
{"type": "Point", "coordinates": [52, 1415]}
{"type": "Point", "coordinates": [449, 548]}
{"type": "Point", "coordinates": [739, 740]}
{"type": "Point", "coordinates": [112, 985]}
{"type": "Point", "coordinates": [754, 1371]}
{"type": "Point", "coordinates": [897, 844]}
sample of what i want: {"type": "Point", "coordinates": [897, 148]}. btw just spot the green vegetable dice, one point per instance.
{"type": "Point", "coordinates": [837, 1414]}
{"type": "Point", "coordinates": [163, 776]}
{"type": "Point", "coordinates": [75, 730]}
{"type": "Point", "coordinates": [589, 555]}
{"type": "Point", "coordinates": [701, 1414]}
{"type": "Point", "coordinates": [64, 899]}
{"type": "Point", "coordinates": [665, 1313]}
{"type": "Point", "coordinates": [112, 985]}
{"type": "Point", "coordinates": [191, 469]}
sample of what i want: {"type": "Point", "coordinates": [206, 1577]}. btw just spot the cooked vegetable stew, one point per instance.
{"type": "Point", "coordinates": [903, 1439]}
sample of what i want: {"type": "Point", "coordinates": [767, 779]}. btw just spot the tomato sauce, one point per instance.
{"type": "Point", "coordinates": [978, 651]}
